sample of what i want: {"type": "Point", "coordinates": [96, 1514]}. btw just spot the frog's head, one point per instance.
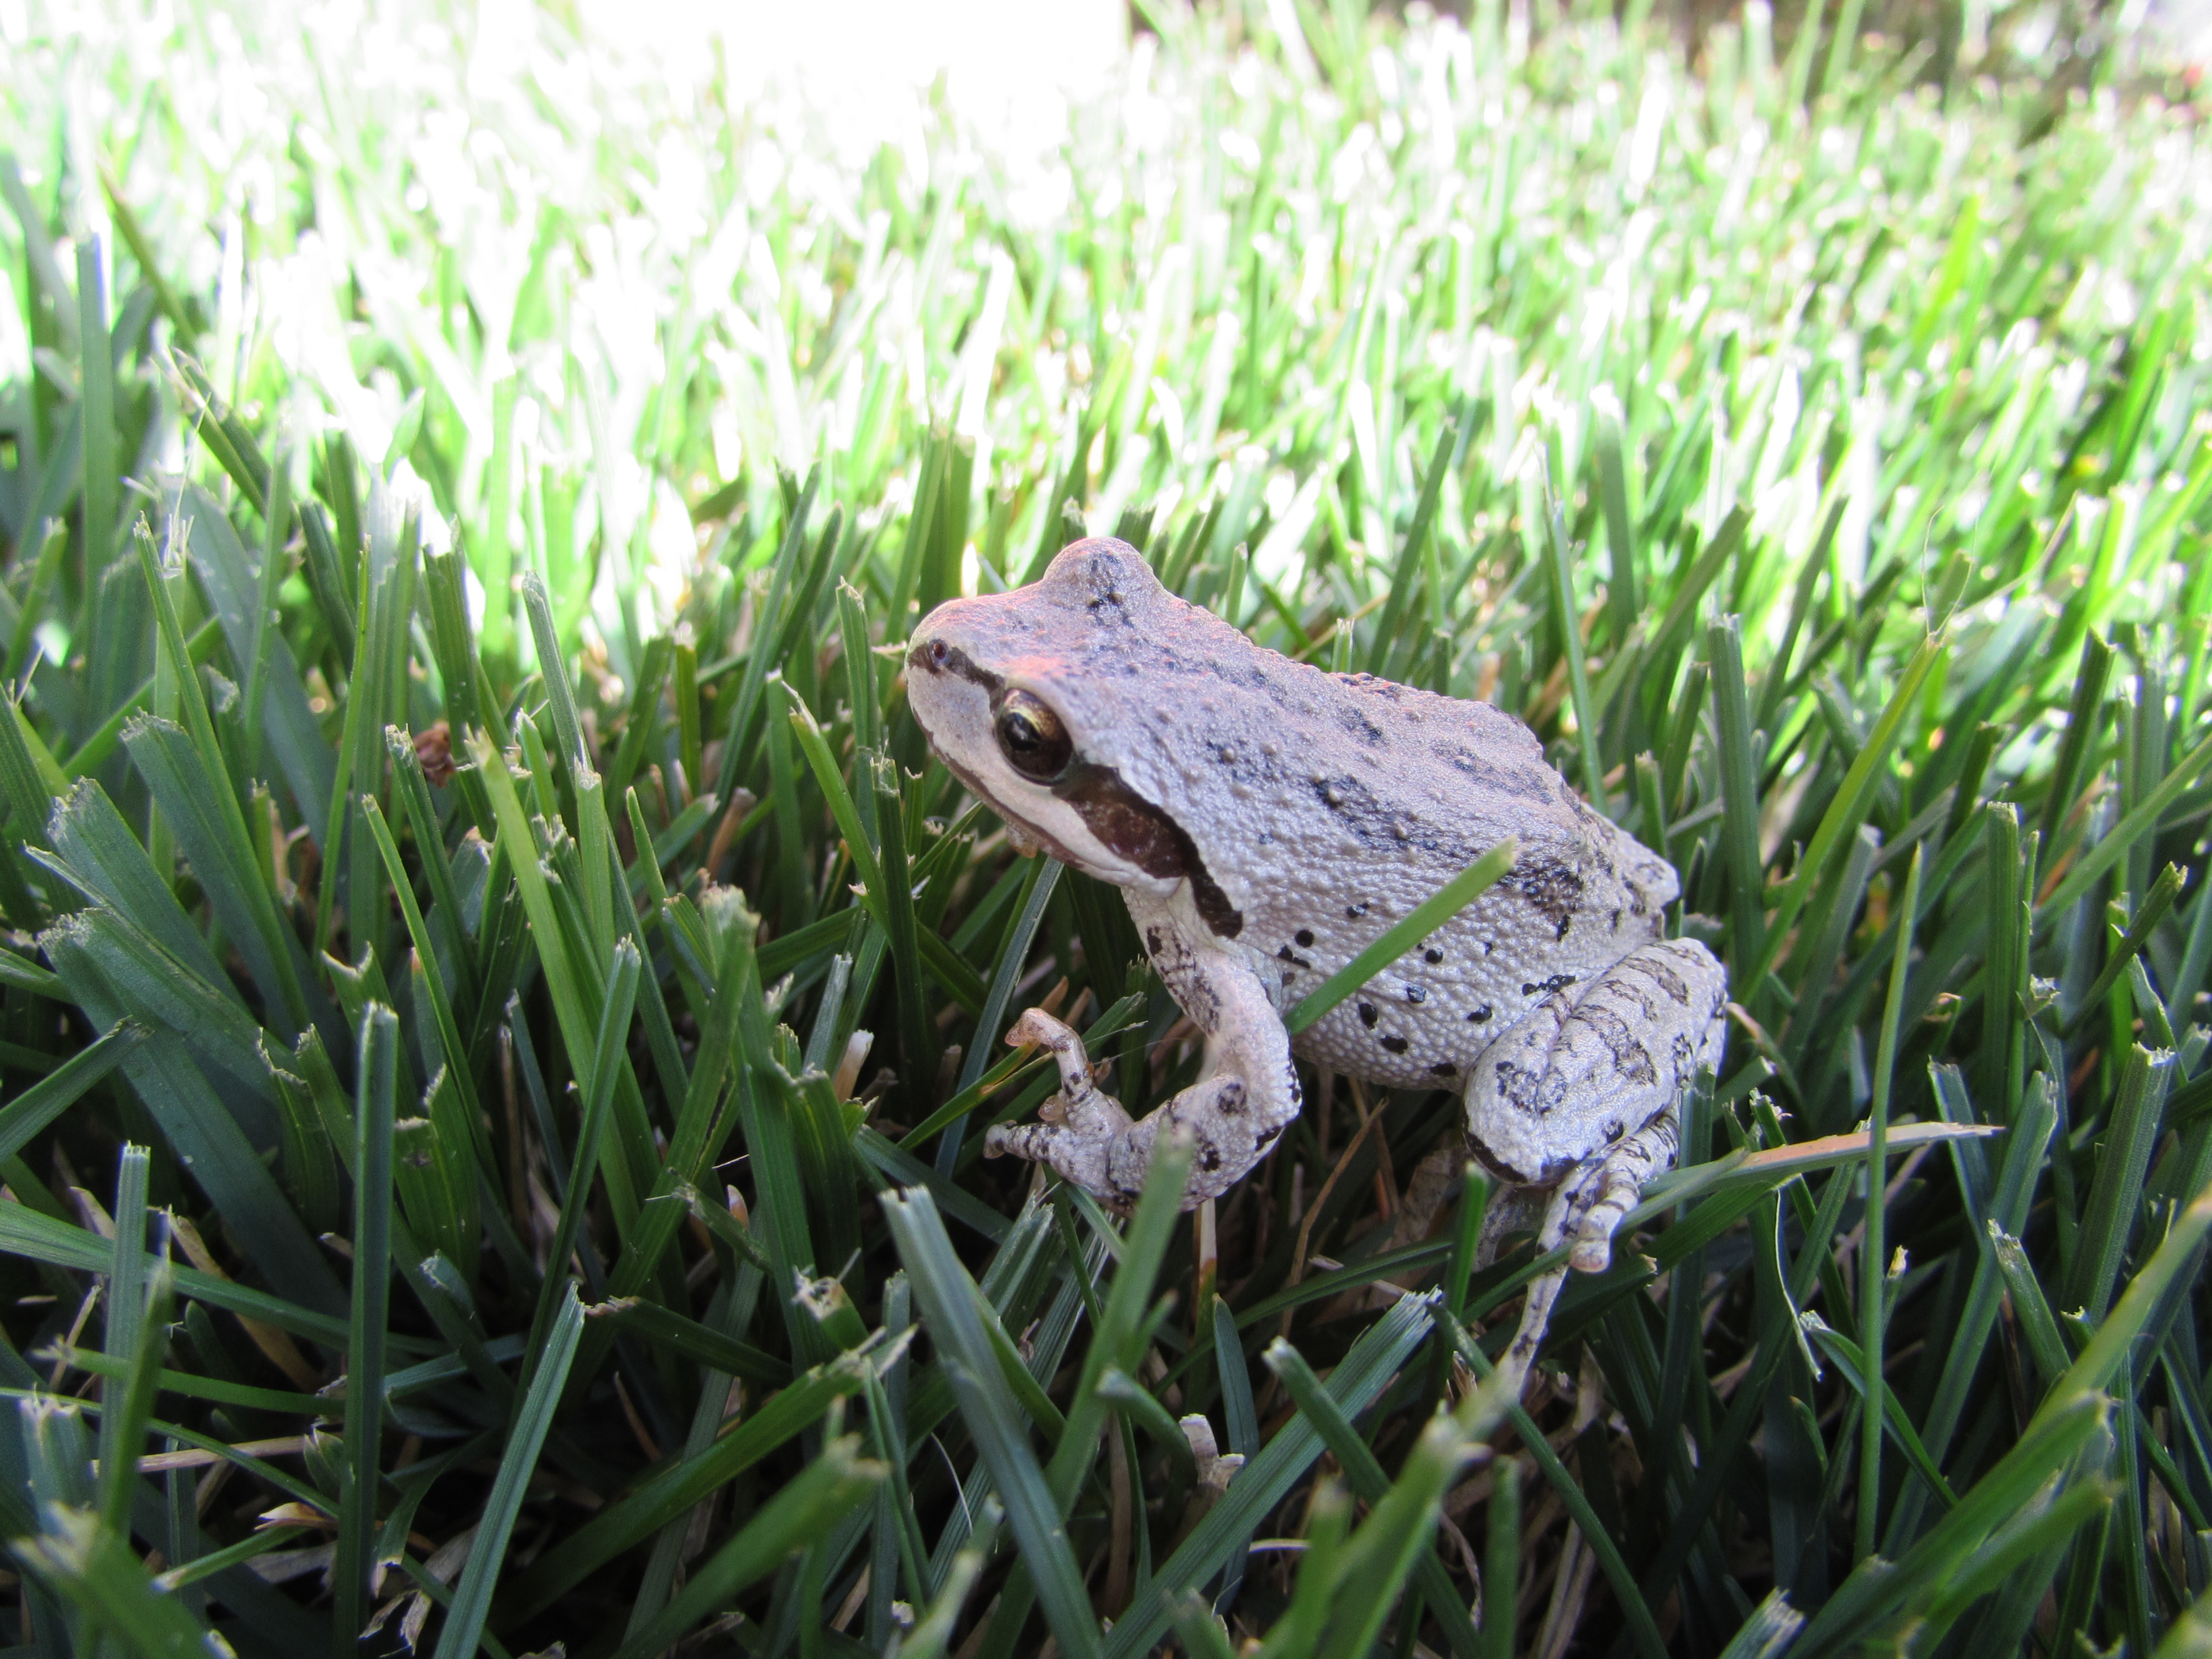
{"type": "Point", "coordinates": [1046, 702]}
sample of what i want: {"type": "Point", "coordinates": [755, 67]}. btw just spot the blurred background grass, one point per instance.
{"type": "Point", "coordinates": [1803, 430]}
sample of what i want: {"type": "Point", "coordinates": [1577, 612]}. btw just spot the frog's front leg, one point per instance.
{"type": "Point", "coordinates": [1234, 1115]}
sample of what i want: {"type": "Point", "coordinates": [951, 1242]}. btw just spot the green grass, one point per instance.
{"type": "Point", "coordinates": [567, 1170]}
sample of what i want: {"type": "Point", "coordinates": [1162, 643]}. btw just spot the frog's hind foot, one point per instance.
{"type": "Point", "coordinates": [1582, 1213]}
{"type": "Point", "coordinates": [1607, 1188]}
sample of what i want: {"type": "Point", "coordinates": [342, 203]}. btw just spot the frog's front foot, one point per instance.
{"type": "Point", "coordinates": [1085, 1136]}
{"type": "Point", "coordinates": [1079, 1127]}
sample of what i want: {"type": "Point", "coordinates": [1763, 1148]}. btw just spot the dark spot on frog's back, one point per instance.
{"type": "Point", "coordinates": [1396, 1045]}
{"type": "Point", "coordinates": [1515, 777]}
{"type": "Point", "coordinates": [1384, 826]}
{"type": "Point", "coordinates": [1553, 888]}
{"type": "Point", "coordinates": [1356, 724]}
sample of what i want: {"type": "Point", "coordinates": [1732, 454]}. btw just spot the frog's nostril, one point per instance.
{"type": "Point", "coordinates": [940, 652]}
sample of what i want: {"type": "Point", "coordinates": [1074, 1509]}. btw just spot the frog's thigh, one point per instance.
{"type": "Point", "coordinates": [1585, 1090]}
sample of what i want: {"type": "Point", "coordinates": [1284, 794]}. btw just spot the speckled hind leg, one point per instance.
{"type": "Point", "coordinates": [1586, 1208]}
{"type": "Point", "coordinates": [1543, 1291]}
{"type": "Point", "coordinates": [1611, 1068]}
{"type": "Point", "coordinates": [1609, 1185]}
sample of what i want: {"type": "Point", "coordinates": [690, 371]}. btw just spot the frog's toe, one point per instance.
{"type": "Point", "coordinates": [1605, 1196]}
{"type": "Point", "coordinates": [1591, 1255]}
{"type": "Point", "coordinates": [1077, 1084]}
{"type": "Point", "coordinates": [1037, 1026]}
{"type": "Point", "coordinates": [1610, 1196]}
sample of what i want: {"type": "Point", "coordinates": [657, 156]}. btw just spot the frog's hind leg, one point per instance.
{"type": "Point", "coordinates": [1586, 1208]}
{"type": "Point", "coordinates": [1606, 1070]}
{"type": "Point", "coordinates": [1543, 1290]}
{"type": "Point", "coordinates": [1607, 1187]}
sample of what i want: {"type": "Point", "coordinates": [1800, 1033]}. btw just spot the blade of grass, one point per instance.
{"type": "Point", "coordinates": [1739, 790]}
{"type": "Point", "coordinates": [1852, 799]}
{"type": "Point", "coordinates": [1644, 1629]}
{"type": "Point", "coordinates": [947, 1297]}
{"type": "Point", "coordinates": [672, 1490]}
{"type": "Point", "coordinates": [2092, 866]}
{"type": "Point", "coordinates": [464, 1618]}
{"type": "Point", "coordinates": [1544, 528]}
{"type": "Point", "coordinates": [2114, 1195]}
{"type": "Point", "coordinates": [135, 1336]}
{"type": "Point", "coordinates": [1355, 1384]}
{"type": "Point", "coordinates": [835, 1482]}
{"type": "Point", "coordinates": [1873, 1258]}
{"type": "Point", "coordinates": [1372, 1487]}
{"type": "Point", "coordinates": [379, 1046]}
{"type": "Point", "coordinates": [24, 1117]}
{"type": "Point", "coordinates": [584, 1162]}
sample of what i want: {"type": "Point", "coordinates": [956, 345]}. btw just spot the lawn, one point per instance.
{"type": "Point", "coordinates": [499, 1006]}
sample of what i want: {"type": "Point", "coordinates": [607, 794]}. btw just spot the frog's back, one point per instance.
{"type": "Point", "coordinates": [1320, 808]}
{"type": "Point", "coordinates": [1419, 787]}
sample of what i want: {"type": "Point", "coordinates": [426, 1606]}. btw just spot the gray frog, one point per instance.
{"type": "Point", "coordinates": [1265, 821]}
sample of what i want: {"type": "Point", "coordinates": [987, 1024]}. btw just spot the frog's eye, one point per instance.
{"type": "Point", "coordinates": [1031, 737]}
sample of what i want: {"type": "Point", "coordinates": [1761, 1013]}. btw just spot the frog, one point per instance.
{"type": "Point", "coordinates": [1265, 821]}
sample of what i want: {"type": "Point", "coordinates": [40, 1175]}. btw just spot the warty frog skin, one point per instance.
{"type": "Point", "coordinates": [1265, 821]}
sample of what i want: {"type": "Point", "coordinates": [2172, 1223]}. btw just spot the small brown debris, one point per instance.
{"type": "Point", "coordinates": [434, 749]}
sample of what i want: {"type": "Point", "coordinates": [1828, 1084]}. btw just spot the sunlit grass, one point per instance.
{"type": "Point", "coordinates": [1822, 475]}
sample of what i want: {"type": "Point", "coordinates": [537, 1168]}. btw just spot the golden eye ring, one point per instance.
{"type": "Point", "coordinates": [1031, 737]}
